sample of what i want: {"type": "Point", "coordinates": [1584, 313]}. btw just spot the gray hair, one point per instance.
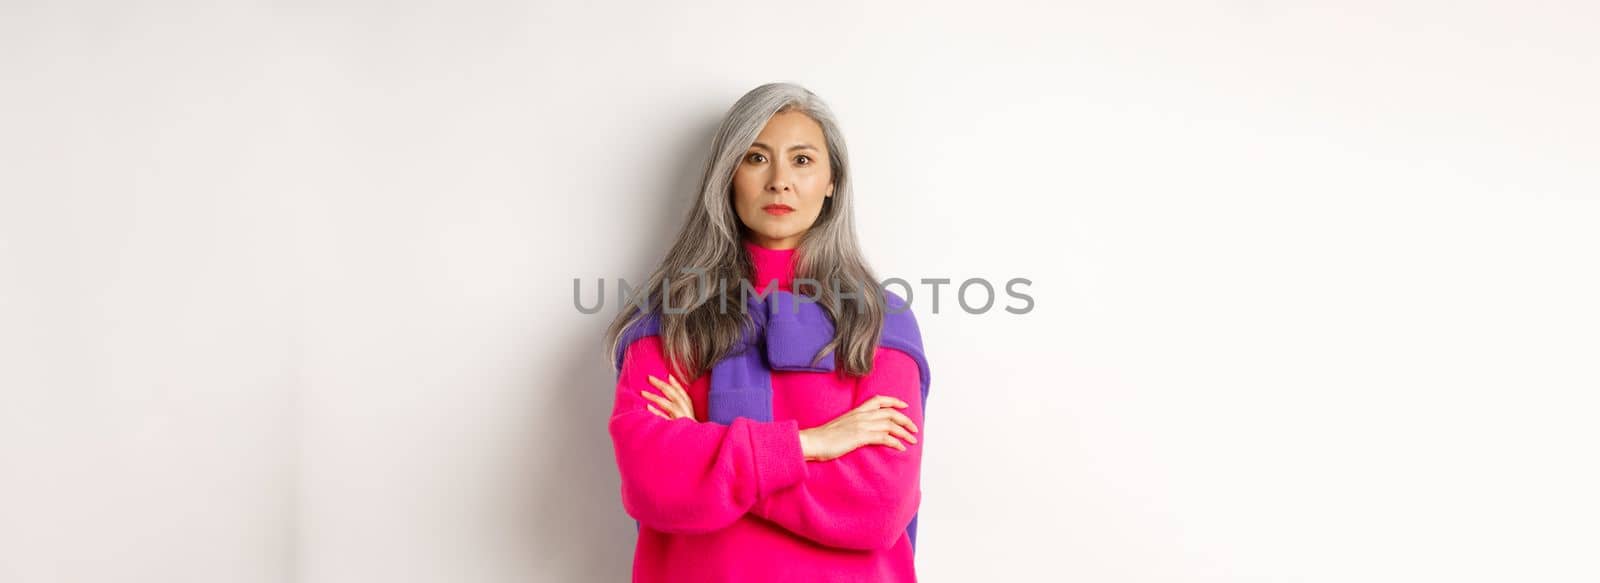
{"type": "Point", "coordinates": [710, 243]}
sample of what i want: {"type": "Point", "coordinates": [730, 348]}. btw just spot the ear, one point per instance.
{"type": "Point", "coordinates": [830, 190]}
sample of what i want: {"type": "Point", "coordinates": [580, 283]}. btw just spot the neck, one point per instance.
{"type": "Point", "coordinates": [771, 265]}
{"type": "Point", "coordinates": [766, 242]}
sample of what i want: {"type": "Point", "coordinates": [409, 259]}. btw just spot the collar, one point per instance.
{"type": "Point", "coordinates": [770, 265]}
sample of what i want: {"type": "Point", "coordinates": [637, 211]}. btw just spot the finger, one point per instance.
{"type": "Point", "coordinates": [903, 419]}
{"type": "Point", "coordinates": [671, 406]}
{"type": "Point", "coordinates": [678, 390]}
{"type": "Point", "coordinates": [678, 397]}
{"type": "Point", "coordinates": [657, 399]}
{"type": "Point", "coordinates": [666, 404]}
{"type": "Point", "coordinates": [681, 410]}
{"type": "Point", "coordinates": [653, 409]}
{"type": "Point", "coordinates": [888, 401]}
{"type": "Point", "coordinates": [893, 415]}
{"type": "Point", "coordinates": [675, 399]}
{"type": "Point", "coordinates": [890, 441]}
{"type": "Point", "coordinates": [671, 388]}
{"type": "Point", "coordinates": [867, 405]}
{"type": "Point", "coordinates": [688, 402]}
{"type": "Point", "coordinates": [901, 433]}
{"type": "Point", "coordinates": [880, 401]}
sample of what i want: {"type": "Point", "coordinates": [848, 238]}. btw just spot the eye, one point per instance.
{"type": "Point", "coordinates": [804, 157]}
{"type": "Point", "coordinates": [752, 157]}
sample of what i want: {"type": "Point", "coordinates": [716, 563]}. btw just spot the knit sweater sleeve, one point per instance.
{"type": "Point", "coordinates": [864, 499]}
{"type": "Point", "coordinates": [687, 477]}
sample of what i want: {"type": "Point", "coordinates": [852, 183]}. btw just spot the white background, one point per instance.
{"type": "Point", "coordinates": [286, 287]}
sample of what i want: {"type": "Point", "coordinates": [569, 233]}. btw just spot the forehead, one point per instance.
{"type": "Point", "coordinates": [789, 129]}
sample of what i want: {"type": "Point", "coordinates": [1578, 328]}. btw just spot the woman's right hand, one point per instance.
{"type": "Point", "coordinates": [873, 422]}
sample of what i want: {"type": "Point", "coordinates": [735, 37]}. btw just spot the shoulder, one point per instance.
{"type": "Point", "coordinates": [643, 352]}
{"type": "Point", "coordinates": [640, 340]}
{"type": "Point", "coordinates": [900, 351]}
{"type": "Point", "coordinates": [900, 329]}
{"type": "Point", "coordinates": [894, 363]}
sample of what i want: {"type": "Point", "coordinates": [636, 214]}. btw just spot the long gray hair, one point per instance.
{"type": "Point", "coordinates": [829, 255]}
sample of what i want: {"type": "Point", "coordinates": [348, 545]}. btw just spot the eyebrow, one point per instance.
{"type": "Point", "coordinates": [794, 147]}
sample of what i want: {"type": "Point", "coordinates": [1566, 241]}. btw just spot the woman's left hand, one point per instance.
{"type": "Point", "coordinates": [676, 403]}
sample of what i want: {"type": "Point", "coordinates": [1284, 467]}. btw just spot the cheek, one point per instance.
{"type": "Point", "coordinates": [743, 192]}
{"type": "Point", "coordinates": [817, 189]}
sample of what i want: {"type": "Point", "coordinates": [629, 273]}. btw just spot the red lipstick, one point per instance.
{"type": "Point", "coordinates": [778, 209]}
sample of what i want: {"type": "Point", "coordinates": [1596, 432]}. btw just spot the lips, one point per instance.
{"type": "Point", "coordinates": [778, 209]}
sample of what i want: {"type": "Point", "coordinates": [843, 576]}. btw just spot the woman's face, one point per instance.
{"type": "Point", "coordinates": [787, 166]}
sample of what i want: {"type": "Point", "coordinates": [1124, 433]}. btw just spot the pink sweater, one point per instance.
{"type": "Point", "coordinates": [739, 502]}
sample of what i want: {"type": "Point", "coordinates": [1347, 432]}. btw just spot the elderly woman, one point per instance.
{"type": "Point", "coordinates": [769, 393]}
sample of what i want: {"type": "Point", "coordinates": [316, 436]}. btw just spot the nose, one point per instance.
{"type": "Point", "coordinates": [778, 182]}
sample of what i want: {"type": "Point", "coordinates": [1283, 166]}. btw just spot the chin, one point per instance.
{"type": "Point", "coordinates": [776, 234]}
